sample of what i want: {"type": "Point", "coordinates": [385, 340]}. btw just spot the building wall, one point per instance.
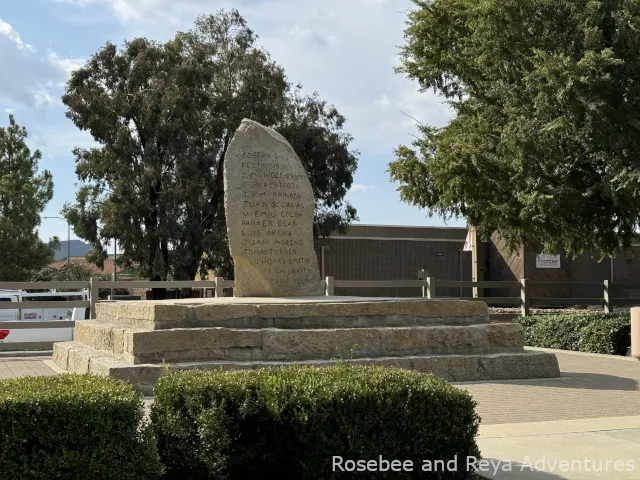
{"type": "Point", "coordinates": [396, 253]}
{"type": "Point", "coordinates": [534, 274]}
{"type": "Point", "coordinates": [626, 270]}
{"type": "Point", "coordinates": [503, 266]}
{"type": "Point", "coordinates": [371, 252]}
{"type": "Point", "coordinates": [584, 268]}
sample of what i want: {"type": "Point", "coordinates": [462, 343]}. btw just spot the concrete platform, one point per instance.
{"type": "Point", "coordinates": [138, 341]}
{"type": "Point", "coordinates": [77, 358]}
{"type": "Point", "coordinates": [241, 344]}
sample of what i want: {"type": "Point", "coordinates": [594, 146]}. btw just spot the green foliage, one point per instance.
{"type": "Point", "coordinates": [74, 427]}
{"type": "Point", "coordinates": [24, 193]}
{"type": "Point", "coordinates": [600, 333]}
{"type": "Point", "coordinates": [543, 146]}
{"type": "Point", "coordinates": [558, 331]}
{"type": "Point", "coordinates": [290, 422]}
{"type": "Point", "coordinates": [69, 272]}
{"type": "Point", "coordinates": [74, 272]}
{"type": "Point", "coordinates": [164, 115]}
{"type": "Point", "coordinates": [611, 336]}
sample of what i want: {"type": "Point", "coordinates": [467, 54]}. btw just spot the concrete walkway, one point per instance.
{"type": "Point", "coordinates": [591, 386]}
{"type": "Point", "coordinates": [582, 426]}
{"type": "Point", "coordinates": [17, 365]}
{"type": "Point", "coordinates": [603, 448]}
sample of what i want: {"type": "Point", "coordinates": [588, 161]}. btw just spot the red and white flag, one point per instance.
{"type": "Point", "coordinates": [468, 243]}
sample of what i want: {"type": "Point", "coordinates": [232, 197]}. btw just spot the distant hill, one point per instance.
{"type": "Point", "coordinates": [78, 249]}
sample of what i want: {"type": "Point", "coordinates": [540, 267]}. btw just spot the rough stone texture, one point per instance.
{"type": "Point", "coordinates": [312, 312]}
{"type": "Point", "coordinates": [219, 343]}
{"type": "Point", "coordinates": [61, 354]}
{"type": "Point", "coordinates": [137, 341]}
{"type": "Point", "coordinates": [269, 207]}
{"type": "Point", "coordinates": [461, 368]}
{"type": "Point", "coordinates": [142, 314]}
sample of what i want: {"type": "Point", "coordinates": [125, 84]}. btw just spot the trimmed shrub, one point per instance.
{"type": "Point", "coordinates": [290, 422]}
{"type": "Point", "coordinates": [611, 336]}
{"type": "Point", "coordinates": [598, 333]}
{"type": "Point", "coordinates": [74, 427]}
{"type": "Point", "coordinates": [557, 331]}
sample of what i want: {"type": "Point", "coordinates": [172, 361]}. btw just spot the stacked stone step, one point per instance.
{"type": "Point", "coordinates": [138, 341]}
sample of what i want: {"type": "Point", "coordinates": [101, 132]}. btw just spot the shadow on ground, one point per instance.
{"type": "Point", "coordinates": [515, 470]}
{"type": "Point", "coordinates": [575, 380]}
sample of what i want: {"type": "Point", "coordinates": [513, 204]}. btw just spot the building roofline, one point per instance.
{"type": "Point", "coordinates": [379, 225]}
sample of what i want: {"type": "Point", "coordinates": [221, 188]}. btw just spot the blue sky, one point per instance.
{"type": "Point", "coordinates": [345, 50]}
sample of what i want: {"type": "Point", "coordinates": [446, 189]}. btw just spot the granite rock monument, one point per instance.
{"type": "Point", "coordinates": [278, 315]}
{"type": "Point", "coordinates": [269, 205]}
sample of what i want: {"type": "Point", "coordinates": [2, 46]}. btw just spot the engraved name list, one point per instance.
{"type": "Point", "coordinates": [272, 206]}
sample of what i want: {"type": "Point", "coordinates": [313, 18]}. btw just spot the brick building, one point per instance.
{"type": "Point", "coordinates": [379, 252]}
{"type": "Point", "coordinates": [376, 252]}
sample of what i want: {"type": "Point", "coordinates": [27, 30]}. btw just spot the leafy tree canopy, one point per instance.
{"type": "Point", "coordinates": [163, 116]}
{"type": "Point", "coordinates": [73, 272]}
{"type": "Point", "coordinates": [69, 272]}
{"type": "Point", "coordinates": [544, 146]}
{"type": "Point", "coordinates": [24, 193]}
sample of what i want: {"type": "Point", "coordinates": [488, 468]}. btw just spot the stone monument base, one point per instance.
{"type": "Point", "coordinates": [453, 339]}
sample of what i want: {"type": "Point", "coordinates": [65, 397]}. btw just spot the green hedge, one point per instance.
{"type": "Point", "coordinates": [600, 333]}
{"type": "Point", "coordinates": [290, 422]}
{"type": "Point", "coordinates": [74, 427]}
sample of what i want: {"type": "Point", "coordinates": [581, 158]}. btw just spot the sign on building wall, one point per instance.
{"type": "Point", "coordinates": [547, 261]}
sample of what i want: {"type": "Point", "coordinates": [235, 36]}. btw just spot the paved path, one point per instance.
{"type": "Point", "coordinates": [582, 426]}
{"type": "Point", "coordinates": [591, 386]}
{"type": "Point", "coordinates": [19, 366]}
{"type": "Point", "coordinates": [585, 449]}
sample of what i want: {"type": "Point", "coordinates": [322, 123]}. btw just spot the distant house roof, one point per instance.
{"type": "Point", "coordinates": [108, 265]}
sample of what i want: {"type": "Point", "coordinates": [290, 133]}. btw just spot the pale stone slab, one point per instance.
{"type": "Point", "coordinates": [453, 339]}
{"type": "Point", "coordinates": [318, 312]}
{"type": "Point", "coordinates": [269, 207]}
{"type": "Point", "coordinates": [219, 343]}
{"type": "Point", "coordinates": [450, 367]}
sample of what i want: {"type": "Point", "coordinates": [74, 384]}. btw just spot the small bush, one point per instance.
{"type": "Point", "coordinates": [74, 427]}
{"type": "Point", "coordinates": [291, 422]}
{"type": "Point", "coordinates": [558, 331]}
{"type": "Point", "coordinates": [599, 333]}
{"type": "Point", "coordinates": [611, 336]}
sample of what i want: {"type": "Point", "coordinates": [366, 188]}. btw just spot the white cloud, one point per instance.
{"type": "Point", "coordinates": [67, 65]}
{"type": "Point", "coordinates": [307, 35]}
{"type": "Point", "coordinates": [8, 110]}
{"type": "Point", "coordinates": [383, 102]}
{"type": "Point", "coordinates": [60, 141]}
{"type": "Point", "coordinates": [349, 63]}
{"type": "Point", "coordinates": [359, 187]}
{"type": "Point", "coordinates": [316, 14]}
{"type": "Point", "coordinates": [31, 79]}
{"type": "Point", "coordinates": [42, 97]}
{"type": "Point", "coordinates": [9, 32]}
